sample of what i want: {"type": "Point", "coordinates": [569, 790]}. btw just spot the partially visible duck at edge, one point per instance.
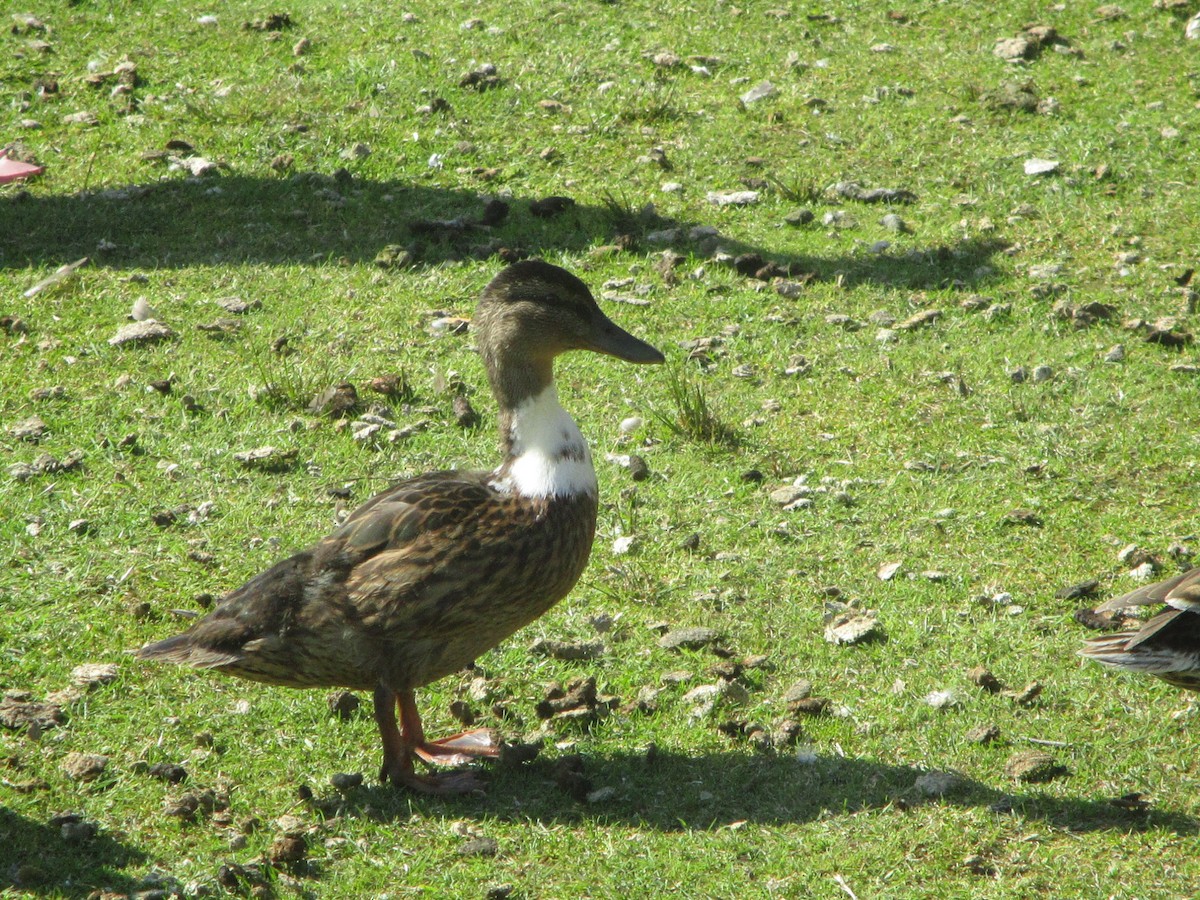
{"type": "Point", "coordinates": [1167, 645]}
{"type": "Point", "coordinates": [428, 575]}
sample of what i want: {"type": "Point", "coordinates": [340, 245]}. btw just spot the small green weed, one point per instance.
{"type": "Point", "coordinates": [692, 416]}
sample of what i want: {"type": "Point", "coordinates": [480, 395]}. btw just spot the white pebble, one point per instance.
{"type": "Point", "coordinates": [732, 198]}
{"type": "Point", "coordinates": [701, 694]}
{"type": "Point", "coordinates": [1040, 166]}
{"type": "Point", "coordinates": [623, 545]}
{"type": "Point", "coordinates": [941, 699]}
{"type": "Point", "coordinates": [1144, 572]}
{"type": "Point", "coordinates": [95, 673]}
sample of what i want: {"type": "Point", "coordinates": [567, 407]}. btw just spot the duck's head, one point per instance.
{"type": "Point", "coordinates": [533, 311]}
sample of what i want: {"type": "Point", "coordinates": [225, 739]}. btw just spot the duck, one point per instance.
{"type": "Point", "coordinates": [1167, 645]}
{"type": "Point", "coordinates": [426, 576]}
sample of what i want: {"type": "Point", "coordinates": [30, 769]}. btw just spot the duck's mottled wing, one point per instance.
{"type": "Point", "coordinates": [426, 540]}
{"type": "Point", "coordinates": [1182, 591]}
{"type": "Point", "coordinates": [277, 626]}
{"type": "Point", "coordinates": [421, 505]}
{"type": "Point", "coordinates": [1167, 646]}
{"type": "Point", "coordinates": [1163, 629]}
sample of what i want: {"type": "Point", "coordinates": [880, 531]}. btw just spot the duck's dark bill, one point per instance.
{"type": "Point", "coordinates": [614, 340]}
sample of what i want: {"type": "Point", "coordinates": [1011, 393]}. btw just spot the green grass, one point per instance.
{"type": "Point", "coordinates": [916, 449]}
{"type": "Point", "coordinates": [690, 415]}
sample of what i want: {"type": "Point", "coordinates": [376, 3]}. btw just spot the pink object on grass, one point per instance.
{"type": "Point", "coordinates": [12, 169]}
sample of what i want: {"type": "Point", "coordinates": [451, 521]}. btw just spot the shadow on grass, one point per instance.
{"type": "Point", "coordinates": [39, 860]}
{"type": "Point", "coordinates": [673, 792]}
{"type": "Point", "coordinates": [310, 218]}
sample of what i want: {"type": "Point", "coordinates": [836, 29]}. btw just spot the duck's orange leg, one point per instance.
{"type": "Point", "coordinates": [450, 751]}
{"type": "Point", "coordinates": [405, 739]}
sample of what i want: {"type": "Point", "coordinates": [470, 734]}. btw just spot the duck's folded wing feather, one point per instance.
{"type": "Point", "coordinates": [1182, 592]}
{"type": "Point", "coordinates": [373, 565]}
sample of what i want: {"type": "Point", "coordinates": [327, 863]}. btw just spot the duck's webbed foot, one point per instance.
{"type": "Point", "coordinates": [404, 740]}
{"type": "Point", "coordinates": [460, 748]}
{"type": "Point", "coordinates": [400, 772]}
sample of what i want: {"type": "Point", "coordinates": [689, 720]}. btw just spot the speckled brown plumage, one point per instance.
{"type": "Point", "coordinates": [407, 564]}
{"type": "Point", "coordinates": [1167, 645]}
{"type": "Point", "coordinates": [426, 576]}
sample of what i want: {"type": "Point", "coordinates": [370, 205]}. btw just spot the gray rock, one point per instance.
{"type": "Point", "coordinates": [344, 781]}
{"type": "Point", "coordinates": [732, 198]}
{"type": "Point", "coordinates": [480, 846]}
{"type": "Point", "coordinates": [882, 317]}
{"type": "Point", "coordinates": [31, 430]}
{"type": "Point", "coordinates": [983, 734]}
{"type": "Point", "coordinates": [267, 458]}
{"type": "Point", "coordinates": [567, 650]}
{"type": "Point", "coordinates": [84, 766]}
{"type": "Point", "coordinates": [801, 690]}
{"type": "Point", "coordinates": [851, 628]}
{"type": "Point", "coordinates": [785, 496]}
{"type": "Point", "coordinates": [852, 190]}
{"type": "Point", "coordinates": [841, 320]}
{"type": "Point", "coordinates": [937, 784]}
{"type": "Point", "coordinates": [237, 306]}
{"type": "Point", "coordinates": [1014, 49]}
{"type": "Point", "coordinates": [688, 638]}
{"type": "Point", "coordinates": [89, 674]}
{"type": "Point", "coordinates": [1033, 766]}
{"type": "Point", "coordinates": [144, 332]}
{"type": "Point", "coordinates": [758, 92]}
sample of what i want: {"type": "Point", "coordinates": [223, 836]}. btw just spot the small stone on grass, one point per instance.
{"type": "Point", "coordinates": [852, 627]}
{"type": "Point", "coordinates": [1033, 767]}
{"type": "Point", "coordinates": [937, 784]}
{"type": "Point", "coordinates": [92, 674]}
{"type": "Point", "coordinates": [1027, 695]}
{"type": "Point", "coordinates": [267, 459]}
{"type": "Point", "coordinates": [688, 638]}
{"type": "Point", "coordinates": [983, 734]}
{"type": "Point", "coordinates": [982, 677]}
{"type": "Point", "coordinates": [145, 332]}
{"type": "Point", "coordinates": [567, 650]}
{"type": "Point", "coordinates": [84, 766]}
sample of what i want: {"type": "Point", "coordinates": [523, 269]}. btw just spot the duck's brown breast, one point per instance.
{"type": "Point", "coordinates": [488, 585]}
